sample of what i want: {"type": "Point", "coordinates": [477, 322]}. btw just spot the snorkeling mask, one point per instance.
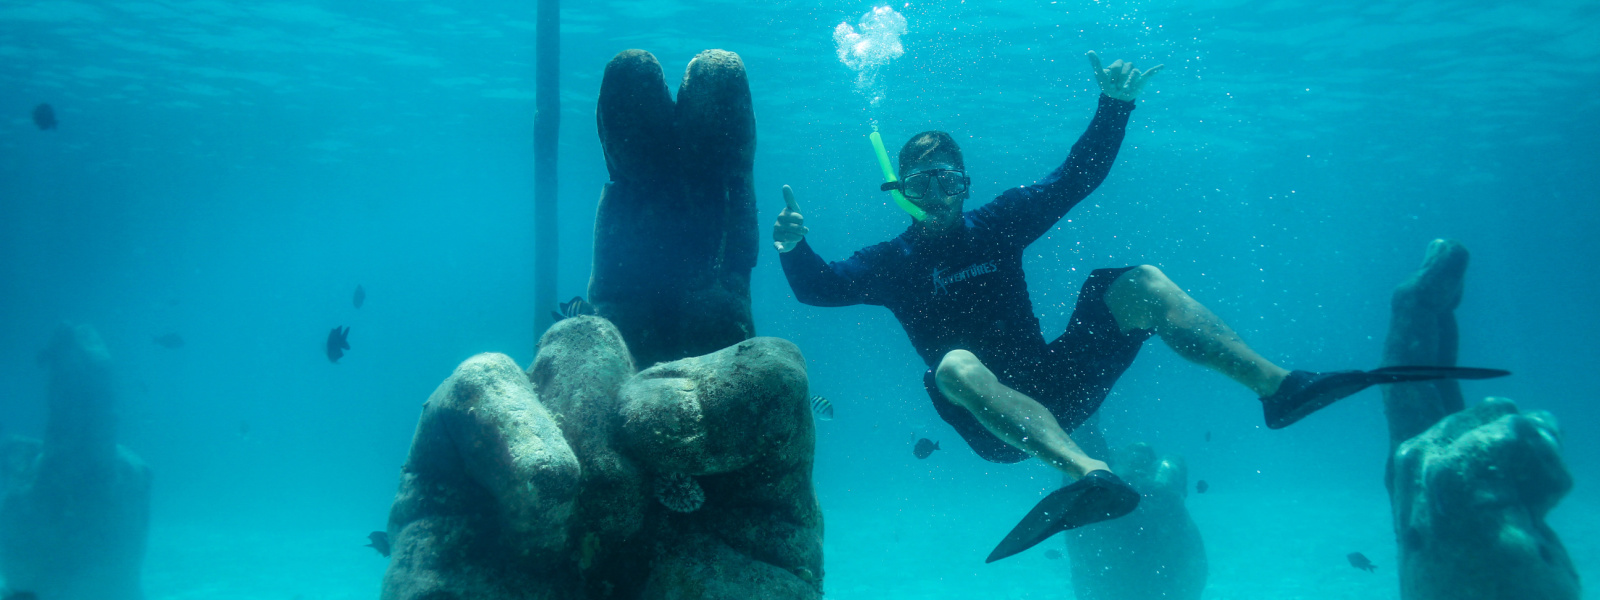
{"type": "Point", "coordinates": [919, 185]}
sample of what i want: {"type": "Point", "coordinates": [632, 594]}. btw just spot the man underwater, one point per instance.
{"type": "Point", "coordinates": [954, 280]}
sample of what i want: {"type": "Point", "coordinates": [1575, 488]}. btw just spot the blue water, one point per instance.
{"type": "Point", "coordinates": [231, 171]}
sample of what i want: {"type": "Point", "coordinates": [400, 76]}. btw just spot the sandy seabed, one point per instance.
{"type": "Point", "coordinates": [1284, 546]}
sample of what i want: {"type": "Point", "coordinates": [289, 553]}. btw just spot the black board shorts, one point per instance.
{"type": "Point", "coordinates": [1073, 378]}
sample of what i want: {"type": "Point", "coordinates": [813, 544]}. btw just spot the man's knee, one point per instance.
{"type": "Point", "coordinates": [958, 373]}
{"type": "Point", "coordinates": [1140, 296]}
{"type": "Point", "coordinates": [1146, 281]}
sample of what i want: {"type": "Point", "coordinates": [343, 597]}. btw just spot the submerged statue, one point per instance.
{"type": "Point", "coordinates": [675, 235]}
{"type": "Point", "coordinates": [1470, 487]}
{"type": "Point", "coordinates": [75, 512]}
{"type": "Point", "coordinates": [1153, 553]}
{"type": "Point", "coordinates": [584, 477]}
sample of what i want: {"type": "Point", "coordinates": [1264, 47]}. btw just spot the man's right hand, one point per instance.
{"type": "Point", "coordinates": [790, 227]}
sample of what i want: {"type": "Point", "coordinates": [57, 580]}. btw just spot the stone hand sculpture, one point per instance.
{"type": "Point", "coordinates": [1153, 553]}
{"type": "Point", "coordinates": [486, 495]}
{"type": "Point", "coordinates": [75, 513]}
{"type": "Point", "coordinates": [583, 480]}
{"type": "Point", "coordinates": [1470, 498]}
{"type": "Point", "coordinates": [1469, 488]}
{"type": "Point", "coordinates": [1422, 331]}
{"type": "Point", "coordinates": [675, 234]}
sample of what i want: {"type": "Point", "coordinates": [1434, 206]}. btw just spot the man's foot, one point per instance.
{"type": "Point", "coordinates": [1305, 392]}
{"type": "Point", "coordinates": [1099, 496]}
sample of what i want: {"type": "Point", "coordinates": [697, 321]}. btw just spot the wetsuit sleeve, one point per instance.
{"type": "Point", "coordinates": [1023, 214]}
{"type": "Point", "coordinates": [821, 283]}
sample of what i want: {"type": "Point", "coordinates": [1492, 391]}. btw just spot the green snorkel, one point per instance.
{"type": "Point", "coordinates": [889, 176]}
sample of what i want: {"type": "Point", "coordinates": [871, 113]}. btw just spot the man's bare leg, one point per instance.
{"type": "Point", "coordinates": [1010, 415]}
{"type": "Point", "coordinates": [1143, 298]}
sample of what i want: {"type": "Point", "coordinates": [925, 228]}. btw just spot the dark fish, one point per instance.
{"type": "Point", "coordinates": [1201, 486]}
{"type": "Point", "coordinates": [22, 596]}
{"type": "Point", "coordinates": [170, 341]}
{"type": "Point", "coordinates": [822, 407]}
{"type": "Point", "coordinates": [380, 542]}
{"type": "Point", "coordinates": [338, 342]}
{"type": "Point", "coordinates": [1208, 436]}
{"type": "Point", "coordinates": [925, 447]}
{"type": "Point", "coordinates": [44, 117]}
{"type": "Point", "coordinates": [360, 297]}
{"type": "Point", "coordinates": [244, 429]}
{"type": "Point", "coordinates": [572, 308]}
{"type": "Point", "coordinates": [1052, 554]}
{"type": "Point", "coordinates": [1360, 562]}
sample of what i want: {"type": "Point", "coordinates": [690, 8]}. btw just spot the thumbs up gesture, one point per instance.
{"type": "Point", "coordinates": [791, 226]}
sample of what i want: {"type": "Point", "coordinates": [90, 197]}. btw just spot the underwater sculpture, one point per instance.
{"type": "Point", "coordinates": [76, 507]}
{"type": "Point", "coordinates": [1469, 488]}
{"type": "Point", "coordinates": [584, 478]}
{"type": "Point", "coordinates": [1155, 552]}
{"type": "Point", "coordinates": [546, 484]}
{"type": "Point", "coordinates": [675, 234]}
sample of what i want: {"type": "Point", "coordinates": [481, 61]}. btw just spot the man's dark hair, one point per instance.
{"type": "Point", "coordinates": [930, 146]}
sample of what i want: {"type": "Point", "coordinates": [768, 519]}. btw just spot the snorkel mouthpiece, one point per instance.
{"type": "Point", "coordinates": [890, 177]}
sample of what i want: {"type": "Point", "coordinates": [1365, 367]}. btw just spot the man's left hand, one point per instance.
{"type": "Point", "coordinates": [1121, 80]}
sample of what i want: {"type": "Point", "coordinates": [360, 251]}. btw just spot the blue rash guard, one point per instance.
{"type": "Point", "coordinates": [966, 290]}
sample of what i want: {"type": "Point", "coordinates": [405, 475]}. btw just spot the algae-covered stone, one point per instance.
{"type": "Point", "coordinates": [486, 494]}
{"type": "Point", "coordinates": [719, 412]}
{"type": "Point", "coordinates": [502, 499]}
{"type": "Point", "coordinates": [578, 374]}
{"type": "Point", "coordinates": [1470, 498]}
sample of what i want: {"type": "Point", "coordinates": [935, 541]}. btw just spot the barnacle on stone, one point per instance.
{"type": "Point", "coordinates": [679, 492]}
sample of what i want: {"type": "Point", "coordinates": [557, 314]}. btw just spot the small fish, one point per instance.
{"type": "Point", "coordinates": [925, 447]}
{"type": "Point", "coordinates": [822, 407]}
{"type": "Point", "coordinates": [338, 342]}
{"type": "Point", "coordinates": [44, 117]}
{"type": "Point", "coordinates": [361, 296]}
{"type": "Point", "coordinates": [573, 308]}
{"type": "Point", "coordinates": [1052, 554]}
{"type": "Point", "coordinates": [22, 596]}
{"type": "Point", "coordinates": [1201, 486]}
{"type": "Point", "coordinates": [380, 542]}
{"type": "Point", "coordinates": [170, 341]}
{"type": "Point", "coordinates": [244, 430]}
{"type": "Point", "coordinates": [1208, 436]}
{"type": "Point", "coordinates": [1360, 562]}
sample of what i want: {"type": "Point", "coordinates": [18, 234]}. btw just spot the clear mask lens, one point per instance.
{"type": "Point", "coordinates": [920, 185]}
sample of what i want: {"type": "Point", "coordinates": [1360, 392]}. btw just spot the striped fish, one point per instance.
{"type": "Point", "coordinates": [573, 308]}
{"type": "Point", "coordinates": [822, 407]}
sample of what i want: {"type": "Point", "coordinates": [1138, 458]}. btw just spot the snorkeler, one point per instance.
{"type": "Point", "coordinates": [954, 280]}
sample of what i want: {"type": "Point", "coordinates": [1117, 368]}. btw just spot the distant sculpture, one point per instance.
{"type": "Point", "coordinates": [584, 479]}
{"type": "Point", "coordinates": [1469, 488]}
{"type": "Point", "coordinates": [675, 235]}
{"type": "Point", "coordinates": [76, 506]}
{"type": "Point", "coordinates": [1153, 553]}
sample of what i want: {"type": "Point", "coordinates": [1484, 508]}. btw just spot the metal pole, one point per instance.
{"type": "Point", "coordinates": [546, 126]}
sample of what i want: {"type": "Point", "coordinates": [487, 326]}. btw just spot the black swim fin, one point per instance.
{"type": "Point", "coordinates": [1421, 373]}
{"type": "Point", "coordinates": [1305, 392]}
{"type": "Point", "coordinates": [1099, 496]}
